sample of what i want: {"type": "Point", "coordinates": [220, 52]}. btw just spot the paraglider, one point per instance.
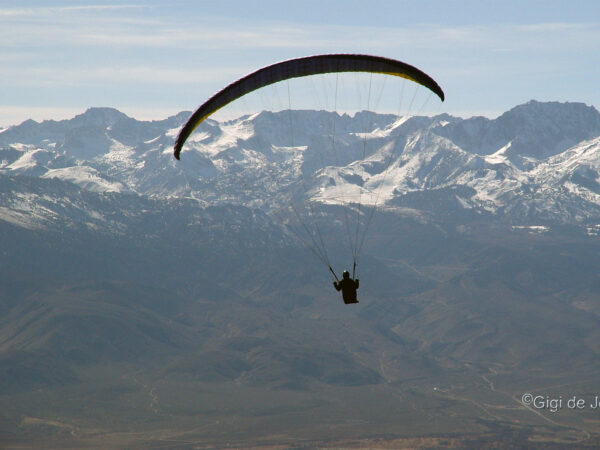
{"type": "Point", "coordinates": [304, 67]}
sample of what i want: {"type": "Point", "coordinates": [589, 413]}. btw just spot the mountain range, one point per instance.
{"type": "Point", "coordinates": [535, 164]}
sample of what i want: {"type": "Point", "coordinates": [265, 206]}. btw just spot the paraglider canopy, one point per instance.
{"type": "Point", "coordinates": [301, 67]}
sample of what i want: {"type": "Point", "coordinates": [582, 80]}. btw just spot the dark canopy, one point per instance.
{"type": "Point", "coordinates": [301, 67]}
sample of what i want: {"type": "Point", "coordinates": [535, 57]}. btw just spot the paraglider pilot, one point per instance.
{"type": "Point", "coordinates": [348, 286]}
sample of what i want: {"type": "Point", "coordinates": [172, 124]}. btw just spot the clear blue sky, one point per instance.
{"type": "Point", "coordinates": [151, 59]}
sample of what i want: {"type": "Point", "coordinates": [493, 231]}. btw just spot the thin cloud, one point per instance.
{"type": "Point", "coordinates": [79, 26]}
{"type": "Point", "coordinates": [44, 10]}
{"type": "Point", "coordinates": [81, 76]}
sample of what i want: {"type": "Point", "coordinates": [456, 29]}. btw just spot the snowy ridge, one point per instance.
{"type": "Point", "coordinates": [85, 177]}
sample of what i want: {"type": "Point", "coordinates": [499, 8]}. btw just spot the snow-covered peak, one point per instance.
{"type": "Point", "coordinates": [535, 130]}
{"type": "Point", "coordinates": [100, 117]}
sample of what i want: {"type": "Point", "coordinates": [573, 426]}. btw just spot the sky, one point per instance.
{"type": "Point", "coordinates": [152, 59]}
